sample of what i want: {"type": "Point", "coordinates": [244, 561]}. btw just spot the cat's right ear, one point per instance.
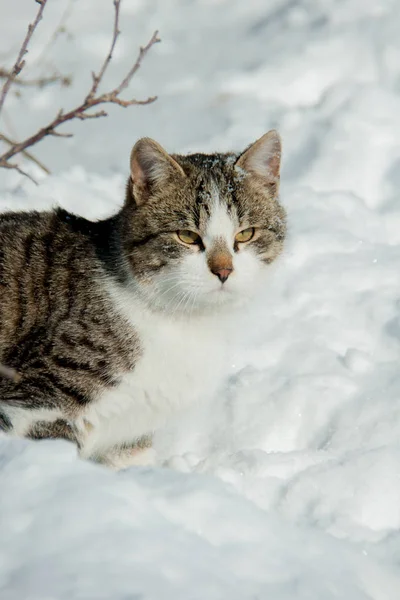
{"type": "Point", "coordinates": [263, 158]}
{"type": "Point", "coordinates": [151, 167]}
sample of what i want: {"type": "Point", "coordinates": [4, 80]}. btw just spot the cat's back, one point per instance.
{"type": "Point", "coordinates": [32, 241]}
{"type": "Point", "coordinates": [17, 233]}
{"type": "Point", "coordinates": [45, 269]}
{"type": "Point", "coordinates": [25, 240]}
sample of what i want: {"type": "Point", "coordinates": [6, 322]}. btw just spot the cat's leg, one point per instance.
{"type": "Point", "coordinates": [35, 423]}
{"type": "Point", "coordinates": [58, 429]}
{"type": "Point", "coordinates": [139, 453]}
{"type": "Point", "coordinates": [28, 424]}
{"type": "Point", "coordinates": [24, 423]}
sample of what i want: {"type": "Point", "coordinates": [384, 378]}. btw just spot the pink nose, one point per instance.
{"type": "Point", "coordinates": [222, 274]}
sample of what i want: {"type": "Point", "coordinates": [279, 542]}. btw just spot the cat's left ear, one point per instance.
{"type": "Point", "coordinates": [263, 158]}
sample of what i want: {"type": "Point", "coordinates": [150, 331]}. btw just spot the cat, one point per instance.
{"type": "Point", "coordinates": [114, 325]}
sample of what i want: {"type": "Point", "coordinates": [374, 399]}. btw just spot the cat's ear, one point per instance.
{"type": "Point", "coordinates": [263, 158]}
{"type": "Point", "coordinates": [151, 167]}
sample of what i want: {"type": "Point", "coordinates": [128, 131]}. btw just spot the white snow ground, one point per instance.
{"type": "Point", "coordinates": [289, 484]}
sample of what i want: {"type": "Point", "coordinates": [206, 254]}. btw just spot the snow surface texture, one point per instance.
{"type": "Point", "coordinates": [289, 485]}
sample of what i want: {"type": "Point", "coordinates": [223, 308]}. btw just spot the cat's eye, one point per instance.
{"type": "Point", "coordinates": [188, 237]}
{"type": "Point", "coordinates": [245, 236]}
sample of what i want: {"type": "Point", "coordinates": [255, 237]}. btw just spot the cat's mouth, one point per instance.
{"type": "Point", "coordinates": [222, 289]}
{"type": "Point", "coordinates": [222, 293]}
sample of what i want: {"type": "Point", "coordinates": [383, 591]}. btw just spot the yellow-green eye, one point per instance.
{"type": "Point", "coordinates": [188, 237]}
{"type": "Point", "coordinates": [245, 236]}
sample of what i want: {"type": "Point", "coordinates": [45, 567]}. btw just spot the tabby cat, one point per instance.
{"type": "Point", "coordinates": [114, 325]}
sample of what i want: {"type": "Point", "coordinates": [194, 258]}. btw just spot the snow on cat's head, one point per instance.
{"type": "Point", "coordinates": [199, 231]}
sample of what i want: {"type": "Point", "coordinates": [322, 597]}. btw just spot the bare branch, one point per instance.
{"type": "Point", "coordinates": [27, 154]}
{"type": "Point", "coordinates": [19, 64]}
{"type": "Point", "coordinates": [8, 165]}
{"type": "Point", "coordinates": [92, 98]}
{"type": "Point", "coordinates": [142, 53]}
{"type": "Point", "coordinates": [58, 134]}
{"type": "Point", "coordinates": [126, 103]}
{"type": "Point", "coordinates": [100, 113]}
{"type": "Point", "coordinates": [60, 28]}
{"type": "Point", "coordinates": [40, 82]}
{"type": "Point", "coordinates": [97, 78]}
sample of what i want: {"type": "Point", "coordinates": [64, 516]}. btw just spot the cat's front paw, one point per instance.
{"type": "Point", "coordinates": [130, 457]}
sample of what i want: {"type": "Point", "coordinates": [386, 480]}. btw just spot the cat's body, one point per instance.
{"type": "Point", "coordinates": [115, 325]}
{"type": "Point", "coordinates": [167, 377]}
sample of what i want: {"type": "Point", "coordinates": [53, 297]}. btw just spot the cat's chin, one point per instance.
{"type": "Point", "coordinates": [213, 303]}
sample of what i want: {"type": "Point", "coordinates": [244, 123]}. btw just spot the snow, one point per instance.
{"type": "Point", "coordinates": [286, 486]}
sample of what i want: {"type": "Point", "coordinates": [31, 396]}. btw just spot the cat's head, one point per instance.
{"type": "Point", "coordinates": [199, 231]}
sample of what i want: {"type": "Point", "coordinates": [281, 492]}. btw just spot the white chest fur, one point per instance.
{"type": "Point", "coordinates": [183, 362]}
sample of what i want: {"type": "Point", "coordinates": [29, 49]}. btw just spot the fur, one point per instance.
{"type": "Point", "coordinates": [114, 325]}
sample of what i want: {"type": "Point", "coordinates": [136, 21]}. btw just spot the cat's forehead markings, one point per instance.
{"type": "Point", "coordinates": [220, 224]}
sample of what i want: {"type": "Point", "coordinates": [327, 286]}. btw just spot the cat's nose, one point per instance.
{"type": "Point", "coordinates": [222, 274]}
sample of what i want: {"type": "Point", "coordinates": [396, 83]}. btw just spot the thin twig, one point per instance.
{"type": "Point", "coordinates": [142, 53]}
{"type": "Point", "coordinates": [8, 165]}
{"type": "Point", "coordinates": [19, 64]}
{"type": "Point", "coordinates": [27, 154]}
{"type": "Point", "coordinates": [40, 82]}
{"type": "Point", "coordinates": [60, 28]}
{"type": "Point", "coordinates": [97, 78]}
{"type": "Point", "coordinates": [64, 135]}
{"type": "Point", "coordinates": [92, 99]}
